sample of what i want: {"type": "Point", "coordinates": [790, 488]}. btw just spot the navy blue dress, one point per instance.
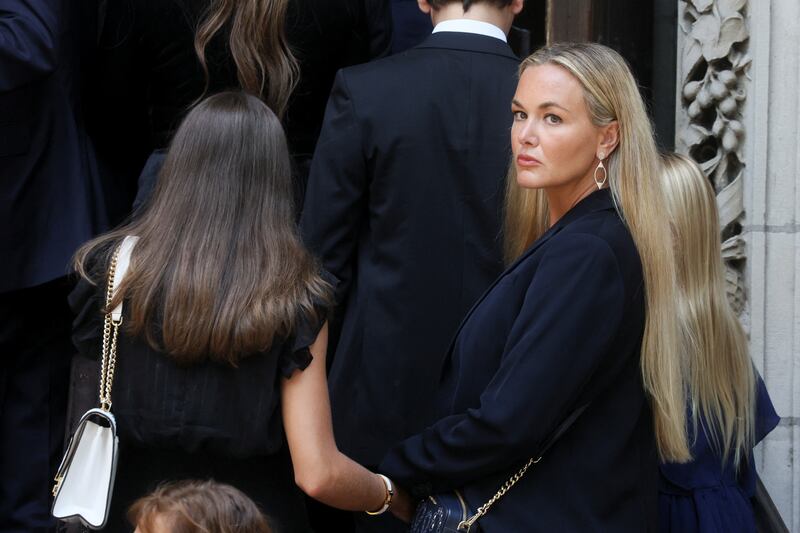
{"type": "Point", "coordinates": [704, 496]}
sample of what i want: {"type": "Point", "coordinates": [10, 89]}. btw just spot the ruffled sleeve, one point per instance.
{"type": "Point", "coordinates": [296, 355]}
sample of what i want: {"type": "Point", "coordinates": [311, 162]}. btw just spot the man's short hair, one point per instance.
{"type": "Point", "coordinates": [438, 4]}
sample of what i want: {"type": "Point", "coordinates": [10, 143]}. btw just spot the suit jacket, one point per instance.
{"type": "Point", "coordinates": [148, 75]}
{"type": "Point", "coordinates": [404, 207]}
{"type": "Point", "coordinates": [562, 327]}
{"type": "Point", "coordinates": [50, 195]}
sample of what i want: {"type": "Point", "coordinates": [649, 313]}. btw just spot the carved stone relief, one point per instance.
{"type": "Point", "coordinates": [713, 67]}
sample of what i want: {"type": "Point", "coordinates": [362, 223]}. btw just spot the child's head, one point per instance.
{"type": "Point", "coordinates": [228, 158]}
{"type": "Point", "coordinates": [197, 507]}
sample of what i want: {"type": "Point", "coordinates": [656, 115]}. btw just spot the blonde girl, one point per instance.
{"type": "Point", "coordinates": [728, 406]}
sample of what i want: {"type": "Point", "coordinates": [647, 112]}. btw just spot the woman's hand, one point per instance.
{"type": "Point", "coordinates": [402, 506]}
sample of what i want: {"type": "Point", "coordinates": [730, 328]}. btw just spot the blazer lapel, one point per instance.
{"type": "Point", "coordinates": [597, 201]}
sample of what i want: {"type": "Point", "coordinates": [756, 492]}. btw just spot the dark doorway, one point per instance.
{"type": "Point", "coordinates": [643, 31]}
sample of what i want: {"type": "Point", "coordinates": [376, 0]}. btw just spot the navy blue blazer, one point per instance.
{"type": "Point", "coordinates": [561, 327]}
{"type": "Point", "coordinates": [404, 206]}
{"type": "Point", "coordinates": [50, 197]}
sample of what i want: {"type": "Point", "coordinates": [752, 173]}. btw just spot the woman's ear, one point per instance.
{"type": "Point", "coordinates": [609, 139]}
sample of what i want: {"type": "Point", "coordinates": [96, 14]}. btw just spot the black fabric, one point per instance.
{"type": "Point", "coordinates": [411, 26]}
{"type": "Point", "coordinates": [34, 369]}
{"type": "Point", "coordinates": [148, 76]}
{"type": "Point", "coordinates": [206, 407]}
{"type": "Point", "coordinates": [268, 481]}
{"type": "Point", "coordinates": [561, 327]}
{"type": "Point", "coordinates": [404, 206]}
{"type": "Point", "coordinates": [202, 420]}
{"type": "Point", "coordinates": [51, 196]}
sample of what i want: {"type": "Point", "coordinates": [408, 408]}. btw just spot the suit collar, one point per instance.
{"type": "Point", "coordinates": [478, 27]}
{"type": "Point", "coordinates": [472, 42]}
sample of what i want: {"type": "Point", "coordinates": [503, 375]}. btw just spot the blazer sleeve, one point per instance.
{"type": "Point", "coordinates": [335, 203]}
{"type": "Point", "coordinates": [570, 315]}
{"type": "Point", "coordinates": [29, 34]}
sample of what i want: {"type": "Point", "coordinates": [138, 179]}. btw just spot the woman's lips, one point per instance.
{"type": "Point", "coordinates": [527, 161]}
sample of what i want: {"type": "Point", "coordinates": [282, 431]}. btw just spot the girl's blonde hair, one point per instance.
{"type": "Point", "coordinates": [721, 375]}
{"type": "Point", "coordinates": [611, 94]}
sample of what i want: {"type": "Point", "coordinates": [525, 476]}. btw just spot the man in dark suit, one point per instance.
{"type": "Point", "coordinates": [49, 204]}
{"type": "Point", "coordinates": [404, 206]}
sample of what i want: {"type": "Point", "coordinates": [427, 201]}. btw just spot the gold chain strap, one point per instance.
{"type": "Point", "coordinates": [110, 333]}
{"type": "Point", "coordinates": [465, 525]}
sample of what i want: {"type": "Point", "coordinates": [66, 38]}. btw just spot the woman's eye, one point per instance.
{"type": "Point", "coordinates": [552, 119]}
{"type": "Point", "coordinates": [520, 115]}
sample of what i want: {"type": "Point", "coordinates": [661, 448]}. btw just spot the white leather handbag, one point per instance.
{"type": "Point", "coordinates": [85, 479]}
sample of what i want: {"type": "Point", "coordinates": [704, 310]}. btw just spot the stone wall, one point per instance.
{"type": "Point", "coordinates": [772, 206]}
{"type": "Point", "coordinates": [738, 114]}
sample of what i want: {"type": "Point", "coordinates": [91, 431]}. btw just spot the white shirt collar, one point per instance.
{"type": "Point", "coordinates": [471, 26]}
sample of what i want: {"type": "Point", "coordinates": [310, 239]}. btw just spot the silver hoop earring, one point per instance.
{"type": "Point", "coordinates": [597, 181]}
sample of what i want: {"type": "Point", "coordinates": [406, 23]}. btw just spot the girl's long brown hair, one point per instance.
{"type": "Point", "coordinates": [219, 270]}
{"type": "Point", "coordinates": [265, 65]}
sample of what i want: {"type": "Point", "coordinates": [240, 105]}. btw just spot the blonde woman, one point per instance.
{"type": "Point", "coordinates": [729, 405]}
{"type": "Point", "coordinates": [583, 317]}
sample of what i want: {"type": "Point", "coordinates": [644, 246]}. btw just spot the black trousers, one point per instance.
{"type": "Point", "coordinates": [35, 353]}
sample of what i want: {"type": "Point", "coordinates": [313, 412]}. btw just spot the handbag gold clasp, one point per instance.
{"type": "Point", "coordinates": [57, 486]}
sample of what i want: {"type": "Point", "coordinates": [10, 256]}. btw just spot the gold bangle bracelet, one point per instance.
{"type": "Point", "coordinates": [389, 494]}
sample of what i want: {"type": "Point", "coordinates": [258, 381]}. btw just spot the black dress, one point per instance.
{"type": "Point", "coordinates": [200, 421]}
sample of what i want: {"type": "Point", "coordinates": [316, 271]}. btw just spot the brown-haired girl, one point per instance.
{"type": "Point", "coordinates": [224, 336]}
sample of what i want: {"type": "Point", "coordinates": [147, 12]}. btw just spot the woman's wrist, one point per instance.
{"type": "Point", "coordinates": [387, 501]}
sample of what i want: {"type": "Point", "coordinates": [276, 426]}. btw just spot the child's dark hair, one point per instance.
{"type": "Point", "coordinates": [198, 507]}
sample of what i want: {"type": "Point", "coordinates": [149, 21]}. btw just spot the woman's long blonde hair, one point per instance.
{"type": "Point", "coordinates": [721, 375]}
{"type": "Point", "coordinates": [265, 65]}
{"type": "Point", "coordinates": [612, 94]}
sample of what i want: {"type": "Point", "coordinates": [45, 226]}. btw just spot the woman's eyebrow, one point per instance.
{"type": "Point", "coordinates": [544, 105]}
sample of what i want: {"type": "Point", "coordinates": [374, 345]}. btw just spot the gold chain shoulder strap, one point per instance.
{"type": "Point", "coordinates": [465, 525]}
{"type": "Point", "coordinates": [110, 334]}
